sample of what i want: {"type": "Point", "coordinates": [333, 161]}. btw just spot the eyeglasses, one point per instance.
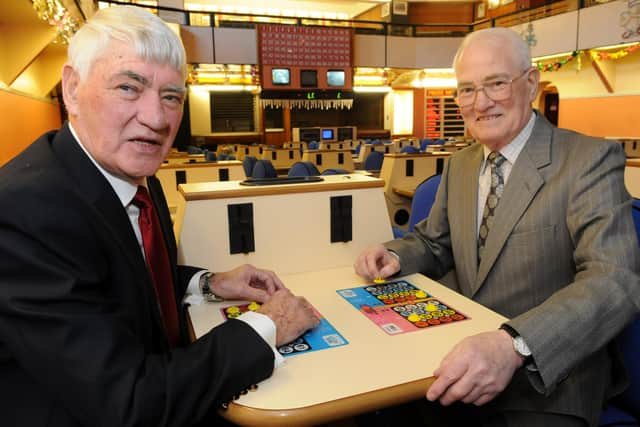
{"type": "Point", "coordinates": [498, 89]}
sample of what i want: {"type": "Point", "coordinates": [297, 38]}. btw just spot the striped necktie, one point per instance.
{"type": "Point", "coordinates": [495, 160]}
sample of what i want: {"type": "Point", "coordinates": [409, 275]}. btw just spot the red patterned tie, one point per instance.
{"type": "Point", "coordinates": [158, 263]}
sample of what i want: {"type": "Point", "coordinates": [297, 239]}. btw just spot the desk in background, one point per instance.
{"type": "Point", "coordinates": [632, 177]}
{"type": "Point", "coordinates": [330, 159]}
{"type": "Point", "coordinates": [375, 370]}
{"type": "Point", "coordinates": [402, 173]}
{"type": "Point", "coordinates": [288, 228]}
{"type": "Point", "coordinates": [630, 144]}
{"type": "Point", "coordinates": [173, 174]}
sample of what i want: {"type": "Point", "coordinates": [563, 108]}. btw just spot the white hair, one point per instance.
{"type": "Point", "coordinates": [149, 35]}
{"type": "Point", "coordinates": [501, 37]}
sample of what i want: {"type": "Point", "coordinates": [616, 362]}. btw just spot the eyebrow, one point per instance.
{"type": "Point", "coordinates": [144, 81]}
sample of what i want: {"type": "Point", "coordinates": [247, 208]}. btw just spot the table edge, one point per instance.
{"type": "Point", "coordinates": [328, 411]}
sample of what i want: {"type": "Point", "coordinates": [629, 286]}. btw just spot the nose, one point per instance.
{"type": "Point", "coordinates": [151, 112]}
{"type": "Point", "coordinates": [481, 100]}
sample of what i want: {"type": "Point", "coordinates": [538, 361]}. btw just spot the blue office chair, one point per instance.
{"type": "Point", "coordinates": [335, 171]}
{"type": "Point", "coordinates": [247, 164]}
{"type": "Point", "coordinates": [313, 145]}
{"type": "Point", "coordinates": [423, 199]}
{"type": "Point", "coordinates": [303, 169]}
{"type": "Point", "coordinates": [439, 141]}
{"type": "Point", "coordinates": [373, 162]}
{"type": "Point", "coordinates": [624, 410]}
{"type": "Point", "coordinates": [263, 169]}
{"type": "Point", "coordinates": [424, 143]}
{"type": "Point", "coordinates": [192, 149]}
{"type": "Point", "coordinates": [210, 156]}
{"type": "Point", "coordinates": [409, 149]}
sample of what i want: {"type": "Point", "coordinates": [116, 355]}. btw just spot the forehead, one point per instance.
{"type": "Point", "coordinates": [118, 56]}
{"type": "Point", "coordinates": [484, 59]}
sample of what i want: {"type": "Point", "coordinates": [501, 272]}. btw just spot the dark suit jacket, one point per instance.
{"type": "Point", "coordinates": [561, 260]}
{"type": "Point", "coordinates": [81, 340]}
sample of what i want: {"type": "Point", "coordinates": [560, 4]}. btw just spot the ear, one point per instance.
{"type": "Point", "coordinates": [70, 87]}
{"type": "Point", "coordinates": [534, 80]}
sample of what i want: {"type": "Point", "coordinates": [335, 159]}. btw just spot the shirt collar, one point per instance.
{"type": "Point", "coordinates": [124, 189]}
{"type": "Point", "coordinates": [512, 150]}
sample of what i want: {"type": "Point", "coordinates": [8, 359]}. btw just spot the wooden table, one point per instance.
{"type": "Point", "coordinates": [374, 370]}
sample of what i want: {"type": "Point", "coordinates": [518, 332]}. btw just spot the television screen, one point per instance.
{"type": "Point", "coordinates": [309, 78]}
{"type": "Point", "coordinates": [327, 134]}
{"type": "Point", "coordinates": [280, 76]}
{"type": "Point", "coordinates": [335, 77]}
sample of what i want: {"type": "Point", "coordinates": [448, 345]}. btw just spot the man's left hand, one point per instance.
{"type": "Point", "coordinates": [476, 370]}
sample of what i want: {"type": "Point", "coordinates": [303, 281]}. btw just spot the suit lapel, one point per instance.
{"type": "Point", "coordinates": [524, 182]}
{"type": "Point", "coordinates": [467, 201]}
{"type": "Point", "coordinates": [107, 210]}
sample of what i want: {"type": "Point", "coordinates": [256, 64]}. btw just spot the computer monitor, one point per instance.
{"type": "Point", "coordinates": [280, 76]}
{"type": "Point", "coordinates": [327, 135]}
{"type": "Point", "coordinates": [335, 77]}
{"type": "Point", "coordinates": [308, 78]}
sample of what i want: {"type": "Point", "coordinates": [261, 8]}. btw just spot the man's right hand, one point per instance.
{"type": "Point", "coordinates": [376, 261]}
{"type": "Point", "coordinates": [292, 315]}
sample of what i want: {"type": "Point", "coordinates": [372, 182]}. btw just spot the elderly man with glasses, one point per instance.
{"type": "Point", "coordinates": [536, 224]}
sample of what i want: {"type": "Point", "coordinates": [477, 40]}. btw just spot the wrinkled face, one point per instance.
{"type": "Point", "coordinates": [126, 112]}
{"type": "Point", "coordinates": [495, 123]}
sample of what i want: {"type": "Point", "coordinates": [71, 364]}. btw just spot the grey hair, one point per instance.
{"type": "Point", "coordinates": [151, 38]}
{"type": "Point", "coordinates": [498, 36]}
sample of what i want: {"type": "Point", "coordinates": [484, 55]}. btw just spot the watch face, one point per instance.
{"type": "Point", "coordinates": [521, 347]}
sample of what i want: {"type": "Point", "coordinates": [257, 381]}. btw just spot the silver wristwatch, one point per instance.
{"type": "Point", "coordinates": [519, 345]}
{"type": "Point", "coordinates": [207, 293]}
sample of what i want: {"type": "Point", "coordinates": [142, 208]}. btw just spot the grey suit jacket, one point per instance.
{"type": "Point", "coordinates": [561, 261]}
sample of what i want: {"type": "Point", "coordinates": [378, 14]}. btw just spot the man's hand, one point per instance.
{"type": "Point", "coordinates": [292, 315]}
{"type": "Point", "coordinates": [476, 370]}
{"type": "Point", "coordinates": [246, 283]}
{"type": "Point", "coordinates": [376, 261]}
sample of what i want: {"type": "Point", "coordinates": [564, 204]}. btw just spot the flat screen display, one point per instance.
{"type": "Point", "coordinates": [335, 77]}
{"type": "Point", "coordinates": [327, 135]}
{"type": "Point", "coordinates": [280, 76]}
{"type": "Point", "coordinates": [309, 78]}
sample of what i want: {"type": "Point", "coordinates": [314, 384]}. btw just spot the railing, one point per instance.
{"type": "Point", "coordinates": [225, 19]}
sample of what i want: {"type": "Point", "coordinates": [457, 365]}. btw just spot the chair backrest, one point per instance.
{"type": "Point", "coordinates": [192, 149]}
{"type": "Point", "coordinates": [210, 156]}
{"type": "Point", "coordinates": [335, 171]}
{"type": "Point", "coordinates": [313, 145]}
{"type": "Point", "coordinates": [629, 341]}
{"type": "Point", "coordinates": [374, 160]}
{"type": "Point", "coordinates": [247, 164]}
{"type": "Point", "coordinates": [409, 149]}
{"type": "Point", "coordinates": [303, 169]}
{"type": "Point", "coordinates": [263, 169]}
{"type": "Point", "coordinates": [424, 143]}
{"type": "Point", "coordinates": [636, 216]}
{"type": "Point", "coordinates": [423, 199]}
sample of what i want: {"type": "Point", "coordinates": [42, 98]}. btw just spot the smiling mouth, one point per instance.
{"type": "Point", "coordinates": [487, 118]}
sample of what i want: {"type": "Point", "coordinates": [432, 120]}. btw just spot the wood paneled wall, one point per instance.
{"type": "Point", "coordinates": [440, 13]}
{"type": "Point", "coordinates": [15, 110]}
